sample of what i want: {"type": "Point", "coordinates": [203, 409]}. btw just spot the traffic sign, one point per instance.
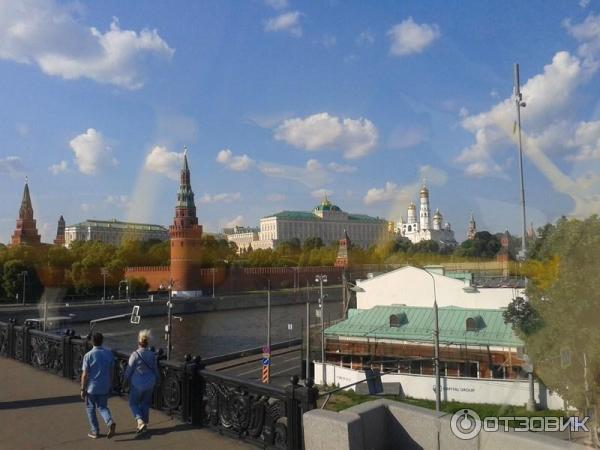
{"type": "Point", "coordinates": [266, 361]}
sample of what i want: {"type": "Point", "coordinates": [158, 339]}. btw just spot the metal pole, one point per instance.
{"type": "Point", "coordinates": [531, 400]}
{"type": "Point", "coordinates": [24, 275]}
{"type": "Point", "coordinates": [269, 326]}
{"type": "Point", "coordinates": [45, 311]}
{"type": "Point", "coordinates": [344, 295]}
{"type": "Point", "coordinates": [436, 335]}
{"type": "Point", "coordinates": [436, 345]}
{"type": "Point", "coordinates": [104, 288]}
{"type": "Point", "coordinates": [169, 306]}
{"type": "Point", "coordinates": [324, 375]}
{"type": "Point", "coordinates": [520, 104]}
{"type": "Point", "coordinates": [307, 334]}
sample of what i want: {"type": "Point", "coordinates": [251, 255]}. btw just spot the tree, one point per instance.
{"type": "Point", "coordinates": [483, 245]}
{"type": "Point", "coordinates": [312, 242]}
{"type": "Point", "coordinates": [565, 293]}
{"type": "Point", "coordinates": [522, 316]}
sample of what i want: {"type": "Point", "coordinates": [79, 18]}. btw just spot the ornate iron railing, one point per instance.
{"type": "Point", "coordinates": [264, 415]}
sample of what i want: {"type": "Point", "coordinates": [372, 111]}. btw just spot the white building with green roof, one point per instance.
{"type": "Point", "coordinates": [326, 221]}
{"type": "Point", "coordinates": [114, 232]}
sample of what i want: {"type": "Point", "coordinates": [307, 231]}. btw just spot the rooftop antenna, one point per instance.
{"type": "Point", "coordinates": [519, 103]}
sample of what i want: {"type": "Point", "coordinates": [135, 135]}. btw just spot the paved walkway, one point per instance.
{"type": "Point", "coordinates": [43, 411]}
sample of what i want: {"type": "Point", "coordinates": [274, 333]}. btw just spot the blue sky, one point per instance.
{"type": "Point", "coordinates": [281, 101]}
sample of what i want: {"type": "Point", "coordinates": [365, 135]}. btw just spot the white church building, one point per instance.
{"type": "Point", "coordinates": [424, 228]}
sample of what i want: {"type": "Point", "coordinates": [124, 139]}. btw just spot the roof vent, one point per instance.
{"type": "Point", "coordinates": [397, 320]}
{"type": "Point", "coordinates": [475, 323]}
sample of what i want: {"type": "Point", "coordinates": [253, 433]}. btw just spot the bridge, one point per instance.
{"type": "Point", "coordinates": [39, 402]}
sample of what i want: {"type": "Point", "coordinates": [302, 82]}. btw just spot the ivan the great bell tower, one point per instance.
{"type": "Point", "coordinates": [185, 236]}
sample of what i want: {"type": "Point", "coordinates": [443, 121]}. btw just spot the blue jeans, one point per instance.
{"type": "Point", "coordinates": [99, 402]}
{"type": "Point", "coordinates": [139, 402]}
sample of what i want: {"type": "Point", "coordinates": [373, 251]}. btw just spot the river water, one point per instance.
{"type": "Point", "coordinates": [216, 332]}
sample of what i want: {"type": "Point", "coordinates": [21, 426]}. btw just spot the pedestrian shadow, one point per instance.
{"type": "Point", "coordinates": [40, 402]}
{"type": "Point", "coordinates": [151, 432]}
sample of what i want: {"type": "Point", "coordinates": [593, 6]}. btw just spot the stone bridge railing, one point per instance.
{"type": "Point", "coordinates": [264, 415]}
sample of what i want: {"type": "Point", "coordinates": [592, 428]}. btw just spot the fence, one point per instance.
{"type": "Point", "coordinates": [264, 415]}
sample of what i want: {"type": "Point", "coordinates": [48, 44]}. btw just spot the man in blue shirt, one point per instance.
{"type": "Point", "coordinates": [96, 383]}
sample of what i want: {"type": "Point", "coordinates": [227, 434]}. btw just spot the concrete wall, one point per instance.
{"type": "Point", "coordinates": [384, 424]}
{"type": "Point", "coordinates": [459, 389]}
{"type": "Point", "coordinates": [414, 287]}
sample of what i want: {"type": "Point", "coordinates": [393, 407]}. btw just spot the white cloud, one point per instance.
{"type": "Point", "coordinates": [584, 3]}
{"type": "Point", "coordinates": [59, 168]}
{"type": "Point", "coordinates": [277, 4]}
{"type": "Point", "coordinates": [587, 141]}
{"type": "Point", "coordinates": [321, 193]}
{"type": "Point", "coordinates": [365, 38]}
{"type": "Point", "coordinates": [11, 165]}
{"type": "Point", "coordinates": [409, 37]}
{"type": "Point", "coordinates": [356, 137]}
{"type": "Point", "coordinates": [92, 154]}
{"type": "Point", "coordinates": [313, 174]}
{"type": "Point", "coordinates": [288, 22]}
{"type": "Point", "coordinates": [276, 197]}
{"type": "Point", "coordinates": [165, 162]}
{"type": "Point", "coordinates": [549, 123]}
{"type": "Point", "coordinates": [120, 201]}
{"type": "Point", "coordinates": [49, 34]}
{"type": "Point", "coordinates": [225, 197]}
{"type": "Point", "coordinates": [341, 168]}
{"type": "Point", "coordinates": [376, 195]}
{"type": "Point", "coordinates": [403, 138]}
{"type": "Point", "coordinates": [402, 195]}
{"type": "Point", "coordinates": [463, 112]}
{"type": "Point", "coordinates": [234, 162]}
{"type": "Point", "coordinates": [235, 222]}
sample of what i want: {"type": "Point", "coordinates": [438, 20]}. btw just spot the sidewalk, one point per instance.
{"type": "Point", "coordinates": [39, 410]}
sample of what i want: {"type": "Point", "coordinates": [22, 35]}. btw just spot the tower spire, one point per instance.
{"type": "Point", "coordinates": [26, 230]}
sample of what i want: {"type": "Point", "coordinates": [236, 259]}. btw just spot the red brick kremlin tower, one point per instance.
{"type": "Point", "coordinates": [185, 237]}
{"type": "Point", "coordinates": [26, 231]}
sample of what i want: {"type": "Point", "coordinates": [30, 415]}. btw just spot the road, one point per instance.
{"type": "Point", "coordinates": [285, 363]}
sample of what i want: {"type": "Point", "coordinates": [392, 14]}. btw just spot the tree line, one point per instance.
{"type": "Point", "coordinates": [558, 321]}
{"type": "Point", "coordinates": [79, 269]}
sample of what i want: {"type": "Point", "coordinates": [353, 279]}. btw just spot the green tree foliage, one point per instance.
{"type": "Point", "coordinates": [312, 242]}
{"type": "Point", "coordinates": [484, 245]}
{"type": "Point", "coordinates": [564, 295]}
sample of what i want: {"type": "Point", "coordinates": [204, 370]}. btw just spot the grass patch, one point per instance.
{"type": "Point", "coordinates": [345, 399]}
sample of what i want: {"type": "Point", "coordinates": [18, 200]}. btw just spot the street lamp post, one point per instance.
{"type": "Point", "coordinates": [322, 279]}
{"type": "Point", "coordinates": [169, 318]}
{"type": "Point", "coordinates": [436, 345]}
{"type": "Point", "coordinates": [104, 272]}
{"type": "Point", "coordinates": [24, 273]}
{"type": "Point", "coordinates": [307, 331]}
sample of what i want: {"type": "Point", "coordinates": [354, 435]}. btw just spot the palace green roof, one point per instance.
{"type": "Point", "coordinates": [119, 225]}
{"type": "Point", "coordinates": [417, 325]}
{"type": "Point", "coordinates": [309, 216]}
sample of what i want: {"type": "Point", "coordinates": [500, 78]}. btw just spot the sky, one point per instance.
{"type": "Point", "coordinates": [280, 102]}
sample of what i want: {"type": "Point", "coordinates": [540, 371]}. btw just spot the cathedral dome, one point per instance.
{"type": "Point", "coordinates": [326, 205]}
{"type": "Point", "coordinates": [424, 191]}
{"type": "Point", "coordinates": [412, 206]}
{"type": "Point", "coordinates": [438, 214]}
